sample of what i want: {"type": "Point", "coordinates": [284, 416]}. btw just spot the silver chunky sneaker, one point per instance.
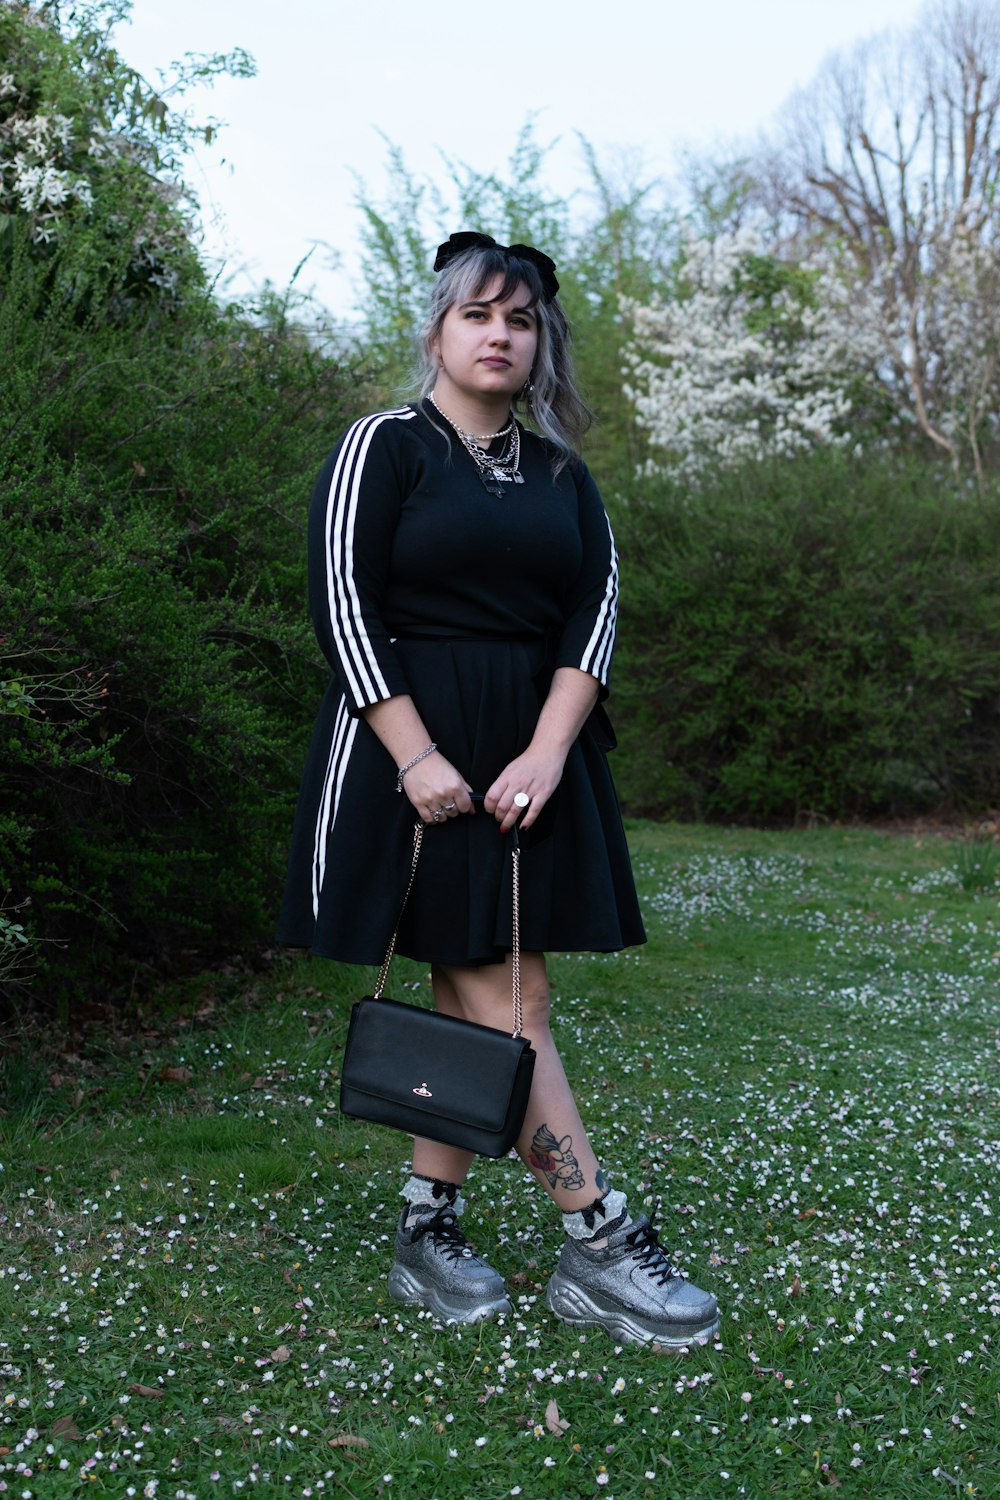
{"type": "Point", "coordinates": [631, 1289]}
{"type": "Point", "coordinates": [436, 1268]}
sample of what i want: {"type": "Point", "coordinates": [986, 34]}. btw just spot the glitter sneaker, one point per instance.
{"type": "Point", "coordinates": [436, 1268]}
{"type": "Point", "coordinates": [632, 1290]}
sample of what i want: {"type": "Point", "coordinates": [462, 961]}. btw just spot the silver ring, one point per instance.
{"type": "Point", "coordinates": [438, 814]}
{"type": "Point", "coordinates": [521, 799]}
{"type": "Point", "coordinates": [449, 807]}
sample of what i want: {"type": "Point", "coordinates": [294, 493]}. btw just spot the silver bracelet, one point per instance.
{"type": "Point", "coordinates": [411, 763]}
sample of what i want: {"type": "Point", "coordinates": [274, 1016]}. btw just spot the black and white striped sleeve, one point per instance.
{"type": "Point", "coordinates": [354, 515]}
{"type": "Point", "coordinates": [588, 636]}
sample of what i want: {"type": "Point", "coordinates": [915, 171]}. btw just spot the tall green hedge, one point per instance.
{"type": "Point", "coordinates": [156, 457]}
{"type": "Point", "coordinates": [819, 637]}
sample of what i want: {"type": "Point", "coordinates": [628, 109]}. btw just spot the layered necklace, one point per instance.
{"type": "Point", "coordinates": [494, 471]}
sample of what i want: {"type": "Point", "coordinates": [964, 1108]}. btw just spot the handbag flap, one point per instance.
{"type": "Point", "coordinates": [455, 1068]}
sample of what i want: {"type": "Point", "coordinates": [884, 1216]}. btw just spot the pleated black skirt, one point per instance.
{"type": "Point", "coordinates": [353, 833]}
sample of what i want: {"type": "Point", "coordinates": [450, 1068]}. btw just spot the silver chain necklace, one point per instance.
{"type": "Point", "coordinates": [496, 471]}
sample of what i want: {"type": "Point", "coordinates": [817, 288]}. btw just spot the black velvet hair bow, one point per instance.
{"type": "Point", "coordinates": [469, 239]}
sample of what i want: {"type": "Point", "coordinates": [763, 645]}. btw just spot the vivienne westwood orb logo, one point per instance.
{"type": "Point", "coordinates": [423, 1091]}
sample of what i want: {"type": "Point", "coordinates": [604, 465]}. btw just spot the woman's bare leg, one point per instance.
{"type": "Point", "coordinates": [620, 1280]}
{"type": "Point", "coordinates": [553, 1143]}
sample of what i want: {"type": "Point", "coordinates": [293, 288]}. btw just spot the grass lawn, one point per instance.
{"type": "Point", "coordinates": [803, 1063]}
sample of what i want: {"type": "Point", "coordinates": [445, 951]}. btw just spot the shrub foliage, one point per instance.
{"type": "Point", "coordinates": [819, 637]}
{"type": "Point", "coordinates": [157, 674]}
{"type": "Point", "coordinates": [160, 675]}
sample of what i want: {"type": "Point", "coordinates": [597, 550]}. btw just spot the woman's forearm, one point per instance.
{"type": "Point", "coordinates": [537, 771]}
{"type": "Point", "coordinates": [571, 698]}
{"type": "Point", "coordinates": [433, 784]}
{"type": "Point", "coordinates": [398, 726]}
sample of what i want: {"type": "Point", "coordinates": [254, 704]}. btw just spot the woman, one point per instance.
{"type": "Point", "coordinates": [463, 583]}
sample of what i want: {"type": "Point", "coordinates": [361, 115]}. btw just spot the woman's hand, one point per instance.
{"type": "Point", "coordinates": [538, 770]}
{"type": "Point", "coordinates": [537, 773]}
{"type": "Point", "coordinates": [434, 786]}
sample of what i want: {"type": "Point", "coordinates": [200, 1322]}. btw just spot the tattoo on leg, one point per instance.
{"type": "Point", "coordinates": [555, 1160]}
{"type": "Point", "coordinates": [600, 1181]}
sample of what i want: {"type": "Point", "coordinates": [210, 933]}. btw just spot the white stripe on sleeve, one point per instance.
{"type": "Point", "coordinates": [597, 656]}
{"type": "Point", "coordinates": [350, 631]}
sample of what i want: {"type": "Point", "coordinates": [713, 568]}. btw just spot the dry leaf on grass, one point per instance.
{"type": "Point", "coordinates": [175, 1075]}
{"type": "Point", "coordinates": [281, 1354]}
{"type": "Point", "coordinates": [347, 1440]}
{"type": "Point", "coordinates": [554, 1422]}
{"type": "Point", "coordinates": [65, 1427]}
{"type": "Point", "coordinates": [145, 1390]}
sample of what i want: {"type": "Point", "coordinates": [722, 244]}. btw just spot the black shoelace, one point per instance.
{"type": "Point", "coordinates": [651, 1255]}
{"type": "Point", "coordinates": [443, 1228]}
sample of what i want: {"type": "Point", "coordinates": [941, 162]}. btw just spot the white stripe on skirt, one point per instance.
{"type": "Point", "coordinates": [344, 730]}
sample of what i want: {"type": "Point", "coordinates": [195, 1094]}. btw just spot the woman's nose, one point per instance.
{"type": "Point", "coordinates": [499, 334]}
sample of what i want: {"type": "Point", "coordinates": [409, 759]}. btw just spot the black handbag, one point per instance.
{"type": "Point", "coordinates": [433, 1075]}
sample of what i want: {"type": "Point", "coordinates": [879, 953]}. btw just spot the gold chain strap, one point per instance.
{"type": "Point", "coordinates": [383, 973]}
{"type": "Point", "coordinates": [516, 945]}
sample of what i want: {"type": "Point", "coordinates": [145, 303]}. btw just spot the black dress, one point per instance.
{"type": "Point", "coordinates": [422, 582]}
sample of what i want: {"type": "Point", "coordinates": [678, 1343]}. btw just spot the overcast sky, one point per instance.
{"type": "Point", "coordinates": [333, 78]}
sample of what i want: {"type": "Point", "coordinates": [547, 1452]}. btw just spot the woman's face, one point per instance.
{"type": "Point", "coordinates": [486, 349]}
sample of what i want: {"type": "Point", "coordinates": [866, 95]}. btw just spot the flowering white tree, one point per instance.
{"type": "Point", "coordinates": [879, 195]}
{"type": "Point", "coordinates": [888, 168]}
{"type": "Point", "coordinates": [753, 357]}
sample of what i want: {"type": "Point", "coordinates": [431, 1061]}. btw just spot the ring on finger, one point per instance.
{"type": "Point", "coordinates": [521, 799]}
{"type": "Point", "coordinates": [449, 807]}
{"type": "Point", "coordinates": [438, 814]}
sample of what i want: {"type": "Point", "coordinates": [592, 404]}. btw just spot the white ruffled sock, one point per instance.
{"type": "Point", "coordinates": [425, 1195]}
{"type": "Point", "coordinates": [592, 1225]}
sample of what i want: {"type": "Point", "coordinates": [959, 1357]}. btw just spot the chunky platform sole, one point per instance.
{"type": "Point", "coordinates": [407, 1287]}
{"type": "Point", "coordinates": [572, 1304]}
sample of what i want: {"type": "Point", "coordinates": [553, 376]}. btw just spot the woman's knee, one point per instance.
{"type": "Point", "coordinates": [486, 995]}
{"type": "Point", "coordinates": [535, 995]}
{"type": "Point", "coordinates": [536, 1009]}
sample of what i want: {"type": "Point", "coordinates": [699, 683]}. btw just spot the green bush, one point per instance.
{"type": "Point", "coordinates": [819, 637]}
{"type": "Point", "coordinates": [156, 458]}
